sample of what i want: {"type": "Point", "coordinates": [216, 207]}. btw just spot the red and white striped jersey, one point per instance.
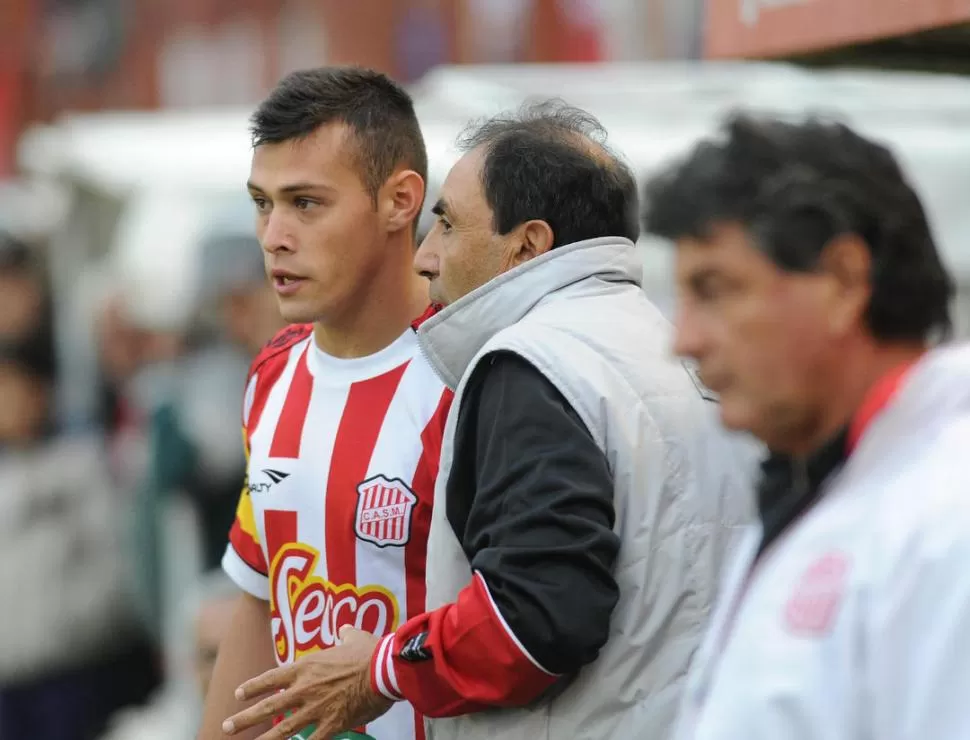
{"type": "Point", "coordinates": [332, 524]}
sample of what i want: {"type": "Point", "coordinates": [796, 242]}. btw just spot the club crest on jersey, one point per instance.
{"type": "Point", "coordinates": [384, 510]}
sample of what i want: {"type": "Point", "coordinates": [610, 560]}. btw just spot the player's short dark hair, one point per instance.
{"type": "Point", "coordinates": [549, 161]}
{"type": "Point", "coordinates": [796, 186]}
{"type": "Point", "coordinates": [377, 110]}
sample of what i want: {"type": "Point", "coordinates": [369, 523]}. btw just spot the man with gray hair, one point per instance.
{"type": "Point", "coordinates": [586, 496]}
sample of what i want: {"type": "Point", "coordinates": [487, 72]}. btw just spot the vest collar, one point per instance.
{"type": "Point", "coordinates": [451, 338]}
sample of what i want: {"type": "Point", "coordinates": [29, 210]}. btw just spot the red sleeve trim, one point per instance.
{"type": "Point", "coordinates": [266, 369]}
{"type": "Point", "coordinates": [508, 630]}
{"type": "Point", "coordinates": [247, 548]}
{"type": "Point", "coordinates": [474, 660]}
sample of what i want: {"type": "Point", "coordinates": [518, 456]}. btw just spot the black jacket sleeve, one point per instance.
{"type": "Point", "coordinates": [530, 497]}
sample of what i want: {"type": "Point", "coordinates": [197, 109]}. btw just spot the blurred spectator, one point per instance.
{"type": "Point", "coordinates": [21, 295]}
{"type": "Point", "coordinates": [71, 652]}
{"type": "Point", "coordinates": [236, 290]}
{"type": "Point", "coordinates": [118, 352]}
{"type": "Point", "coordinates": [25, 314]}
{"type": "Point", "coordinates": [497, 31]}
{"type": "Point", "coordinates": [422, 38]}
{"type": "Point", "coordinates": [25, 379]}
{"type": "Point", "coordinates": [173, 712]}
{"type": "Point", "coordinates": [235, 284]}
{"type": "Point", "coordinates": [180, 371]}
{"type": "Point", "coordinates": [212, 620]}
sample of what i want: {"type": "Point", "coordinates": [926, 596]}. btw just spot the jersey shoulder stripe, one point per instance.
{"type": "Point", "coordinates": [281, 343]}
{"type": "Point", "coordinates": [266, 369]}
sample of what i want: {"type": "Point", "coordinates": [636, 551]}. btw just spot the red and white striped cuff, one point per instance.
{"type": "Point", "coordinates": [382, 676]}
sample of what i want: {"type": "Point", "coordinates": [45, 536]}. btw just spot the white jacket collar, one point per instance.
{"type": "Point", "coordinates": [452, 338]}
{"type": "Point", "coordinates": [934, 393]}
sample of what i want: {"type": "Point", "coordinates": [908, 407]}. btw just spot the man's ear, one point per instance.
{"type": "Point", "coordinates": [401, 198]}
{"type": "Point", "coordinates": [535, 239]}
{"type": "Point", "coordinates": [848, 263]}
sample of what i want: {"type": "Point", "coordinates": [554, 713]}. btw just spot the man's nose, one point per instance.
{"type": "Point", "coordinates": [689, 335]}
{"type": "Point", "coordinates": [275, 233]}
{"type": "Point", "coordinates": [426, 259]}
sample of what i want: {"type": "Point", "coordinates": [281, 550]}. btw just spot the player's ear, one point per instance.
{"type": "Point", "coordinates": [401, 198]}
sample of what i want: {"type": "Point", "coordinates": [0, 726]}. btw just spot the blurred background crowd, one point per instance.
{"type": "Point", "coordinates": [132, 294]}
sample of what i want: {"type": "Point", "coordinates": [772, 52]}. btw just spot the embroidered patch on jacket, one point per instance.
{"type": "Point", "coordinates": [384, 510]}
{"type": "Point", "coordinates": [814, 605]}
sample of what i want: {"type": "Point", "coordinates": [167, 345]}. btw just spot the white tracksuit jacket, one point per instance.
{"type": "Point", "coordinates": [855, 623]}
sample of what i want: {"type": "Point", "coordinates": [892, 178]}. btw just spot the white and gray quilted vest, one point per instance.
{"type": "Point", "coordinates": [682, 485]}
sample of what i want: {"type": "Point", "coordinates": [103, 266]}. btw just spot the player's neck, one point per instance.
{"type": "Point", "coordinates": [394, 299]}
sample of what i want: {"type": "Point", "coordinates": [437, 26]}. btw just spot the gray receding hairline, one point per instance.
{"type": "Point", "coordinates": [552, 117]}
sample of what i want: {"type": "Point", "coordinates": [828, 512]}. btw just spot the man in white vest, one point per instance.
{"type": "Point", "coordinates": [586, 494]}
{"type": "Point", "coordinates": [811, 293]}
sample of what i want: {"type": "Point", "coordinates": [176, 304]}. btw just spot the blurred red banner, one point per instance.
{"type": "Point", "coordinates": [16, 23]}
{"type": "Point", "coordinates": [9, 119]}
{"type": "Point", "coordinates": [771, 28]}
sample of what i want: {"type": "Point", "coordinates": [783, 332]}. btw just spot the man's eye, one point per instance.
{"type": "Point", "coordinates": [260, 203]}
{"type": "Point", "coordinates": [303, 204]}
{"type": "Point", "coordinates": [710, 288]}
{"type": "Point", "coordinates": [707, 291]}
{"type": "Point", "coordinates": [445, 226]}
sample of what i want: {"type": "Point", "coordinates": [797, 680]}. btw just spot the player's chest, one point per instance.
{"type": "Point", "coordinates": [369, 492]}
{"type": "Point", "coordinates": [343, 528]}
{"type": "Point", "coordinates": [345, 459]}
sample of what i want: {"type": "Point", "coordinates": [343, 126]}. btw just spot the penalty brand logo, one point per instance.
{"type": "Point", "coordinates": [275, 476]}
